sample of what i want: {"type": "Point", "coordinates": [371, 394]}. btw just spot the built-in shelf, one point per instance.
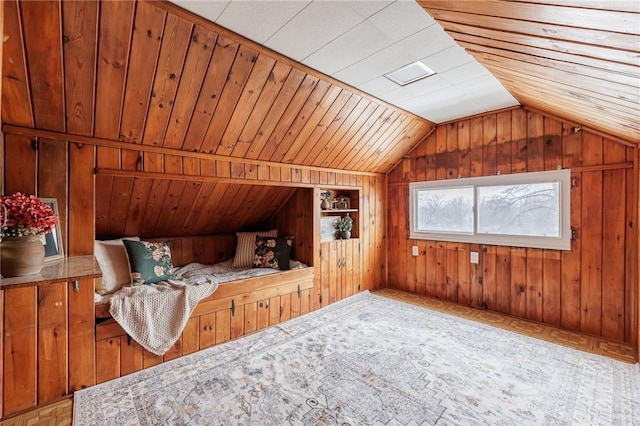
{"type": "Point", "coordinates": [328, 217]}
{"type": "Point", "coordinates": [337, 211]}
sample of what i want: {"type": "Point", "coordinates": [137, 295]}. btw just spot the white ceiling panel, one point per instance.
{"type": "Point", "coordinates": [447, 59]}
{"type": "Point", "coordinates": [207, 9]}
{"type": "Point", "coordinates": [486, 82]}
{"type": "Point", "coordinates": [366, 8]}
{"type": "Point", "coordinates": [466, 72]}
{"type": "Point", "coordinates": [426, 42]}
{"type": "Point", "coordinates": [315, 26]}
{"type": "Point", "coordinates": [357, 42]}
{"type": "Point", "coordinates": [437, 99]}
{"type": "Point", "coordinates": [417, 89]}
{"type": "Point", "coordinates": [374, 66]}
{"type": "Point", "coordinates": [247, 17]}
{"type": "Point", "coordinates": [354, 45]}
{"type": "Point", "coordinates": [401, 19]}
{"type": "Point", "coordinates": [452, 102]}
{"type": "Point", "coordinates": [378, 86]}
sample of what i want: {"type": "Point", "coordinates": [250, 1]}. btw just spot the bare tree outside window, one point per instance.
{"type": "Point", "coordinates": [449, 210]}
{"type": "Point", "coordinates": [529, 209]}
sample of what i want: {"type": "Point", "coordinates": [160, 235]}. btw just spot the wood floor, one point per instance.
{"type": "Point", "coordinates": [55, 414]}
{"type": "Point", "coordinates": [617, 350]}
{"type": "Point", "coordinates": [60, 413]}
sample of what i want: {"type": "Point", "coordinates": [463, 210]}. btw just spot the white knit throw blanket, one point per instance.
{"type": "Point", "coordinates": [155, 315]}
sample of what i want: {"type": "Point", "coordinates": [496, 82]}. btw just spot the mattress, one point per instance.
{"type": "Point", "coordinates": [223, 271]}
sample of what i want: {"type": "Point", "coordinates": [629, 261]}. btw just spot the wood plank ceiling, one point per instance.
{"type": "Point", "coordinates": [574, 59]}
{"type": "Point", "coordinates": [165, 208]}
{"type": "Point", "coordinates": [151, 73]}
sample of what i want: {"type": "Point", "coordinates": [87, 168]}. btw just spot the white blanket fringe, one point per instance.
{"type": "Point", "coordinates": [155, 315]}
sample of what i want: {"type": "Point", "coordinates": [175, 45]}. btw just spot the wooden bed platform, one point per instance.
{"type": "Point", "coordinates": [236, 308]}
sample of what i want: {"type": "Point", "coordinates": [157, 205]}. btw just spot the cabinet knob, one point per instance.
{"type": "Point", "coordinates": [75, 285]}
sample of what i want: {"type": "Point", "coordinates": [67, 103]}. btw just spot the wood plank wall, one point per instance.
{"type": "Point", "coordinates": [296, 218]}
{"type": "Point", "coordinates": [69, 176]}
{"type": "Point", "coordinates": [591, 288]}
{"type": "Point", "coordinates": [65, 170]}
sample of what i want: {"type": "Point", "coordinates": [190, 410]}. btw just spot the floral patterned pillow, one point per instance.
{"type": "Point", "coordinates": [272, 252]}
{"type": "Point", "coordinates": [150, 262]}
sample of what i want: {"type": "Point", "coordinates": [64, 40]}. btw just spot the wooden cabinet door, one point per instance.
{"type": "Point", "coordinates": [339, 270]}
{"type": "Point", "coordinates": [81, 334]}
{"type": "Point", "coordinates": [324, 278]}
{"type": "Point", "coordinates": [52, 335]}
{"type": "Point", "coordinates": [48, 343]}
{"type": "Point", "coordinates": [351, 267]}
{"type": "Point", "coordinates": [20, 353]}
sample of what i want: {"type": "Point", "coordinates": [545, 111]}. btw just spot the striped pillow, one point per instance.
{"type": "Point", "coordinates": [246, 247]}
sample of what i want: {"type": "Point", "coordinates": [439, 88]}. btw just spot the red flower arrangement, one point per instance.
{"type": "Point", "coordinates": [23, 215]}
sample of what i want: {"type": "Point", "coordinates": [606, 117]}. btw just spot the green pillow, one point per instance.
{"type": "Point", "coordinates": [272, 252]}
{"type": "Point", "coordinates": [150, 262]}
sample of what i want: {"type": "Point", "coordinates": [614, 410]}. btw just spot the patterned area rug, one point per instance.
{"type": "Point", "coordinates": [375, 361]}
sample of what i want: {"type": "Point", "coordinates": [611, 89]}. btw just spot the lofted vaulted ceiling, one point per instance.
{"type": "Point", "coordinates": [358, 42]}
{"type": "Point", "coordinates": [575, 59]}
{"type": "Point", "coordinates": [572, 58]}
{"type": "Point", "coordinates": [154, 74]}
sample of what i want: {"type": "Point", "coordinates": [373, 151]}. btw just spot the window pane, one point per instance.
{"type": "Point", "coordinates": [525, 209]}
{"type": "Point", "coordinates": [445, 210]}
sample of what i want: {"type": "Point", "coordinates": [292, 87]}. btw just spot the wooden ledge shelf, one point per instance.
{"type": "Point", "coordinates": [67, 269]}
{"type": "Point", "coordinates": [334, 211]}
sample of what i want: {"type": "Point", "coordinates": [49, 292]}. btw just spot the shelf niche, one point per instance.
{"type": "Point", "coordinates": [341, 202]}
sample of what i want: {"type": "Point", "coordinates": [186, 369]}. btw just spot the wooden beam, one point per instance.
{"type": "Point", "coordinates": [193, 178]}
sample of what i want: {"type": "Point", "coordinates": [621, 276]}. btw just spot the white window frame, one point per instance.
{"type": "Point", "coordinates": [563, 242]}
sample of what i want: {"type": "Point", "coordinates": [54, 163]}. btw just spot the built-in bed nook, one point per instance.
{"type": "Point", "coordinates": [243, 301]}
{"type": "Point", "coordinates": [257, 285]}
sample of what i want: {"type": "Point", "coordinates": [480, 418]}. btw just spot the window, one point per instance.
{"type": "Point", "coordinates": [523, 210]}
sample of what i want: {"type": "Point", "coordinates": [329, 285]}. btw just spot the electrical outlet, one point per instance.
{"type": "Point", "coordinates": [475, 257]}
{"type": "Point", "coordinates": [415, 251]}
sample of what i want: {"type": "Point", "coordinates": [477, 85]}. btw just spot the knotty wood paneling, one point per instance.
{"type": "Point", "coordinates": [177, 210]}
{"type": "Point", "coordinates": [170, 194]}
{"type": "Point", "coordinates": [15, 85]}
{"type": "Point", "coordinates": [43, 51]}
{"type": "Point", "coordinates": [296, 218]}
{"type": "Point", "coordinates": [80, 34]}
{"type": "Point", "coordinates": [81, 223]}
{"type": "Point", "coordinates": [113, 46]}
{"type": "Point", "coordinates": [165, 124]}
{"type": "Point", "coordinates": [573, 59]}
{"type": "Point", "coordinates": [52, 341]}
{"type": "Point", "coordinates": [81, 323]}
{"type": "Point", "coordinates": [20, 349]}
{"type": "Point", "coordinates": [591, 288]}
{"type": "Point", "coordinates": [146, 72]}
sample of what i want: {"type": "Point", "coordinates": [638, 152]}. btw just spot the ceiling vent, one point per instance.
{"type": "Point", "coordinates": [410, 73]}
